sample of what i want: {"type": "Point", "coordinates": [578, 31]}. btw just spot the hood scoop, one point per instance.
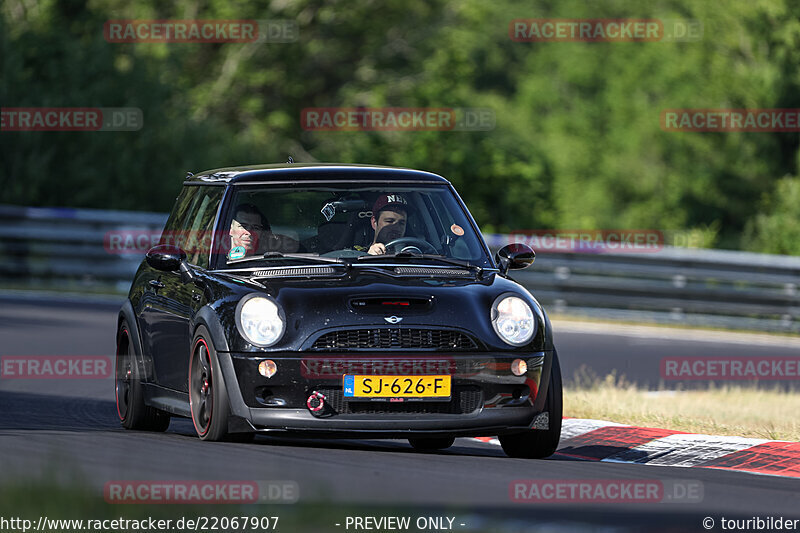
{"type": "Point", "coordinates": [391, 304]}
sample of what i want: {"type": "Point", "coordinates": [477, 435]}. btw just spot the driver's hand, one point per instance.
{"type": "Point", "coordinates": [377, 249]}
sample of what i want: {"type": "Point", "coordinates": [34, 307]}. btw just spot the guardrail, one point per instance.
{"type": "Point", "coordinates": [716, 288]}
{"type": "Point", "coordinates": [63, 249]}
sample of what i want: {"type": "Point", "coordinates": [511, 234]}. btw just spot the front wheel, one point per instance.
{"type": "Point", "coordinates": [540, 443]}
{"type": "Point", "coordinates": [208, 396]}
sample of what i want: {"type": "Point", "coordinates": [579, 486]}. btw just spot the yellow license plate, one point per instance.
{"type": "Point", "coordinates": [431, 387]}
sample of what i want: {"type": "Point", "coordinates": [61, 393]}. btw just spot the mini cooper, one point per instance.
{"type": "Point", "coordinates": [335, 301]}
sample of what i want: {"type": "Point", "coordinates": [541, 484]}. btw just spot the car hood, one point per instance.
{"type": "Point", "coordinates": [370, 298]}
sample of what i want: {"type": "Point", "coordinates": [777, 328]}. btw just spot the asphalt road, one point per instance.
{"type": "Point", "coordinates": [60, 431]}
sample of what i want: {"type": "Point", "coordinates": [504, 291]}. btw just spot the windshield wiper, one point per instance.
{"type": "Point", "coordinates": [434, 257]}
{"type": "Point", "coordinates": [279, 255]}
{"type": "Point", "coordinates": [362, 258]}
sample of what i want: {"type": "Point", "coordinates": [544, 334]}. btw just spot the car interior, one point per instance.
{"type": "Point", "coordinates": [326, 223]}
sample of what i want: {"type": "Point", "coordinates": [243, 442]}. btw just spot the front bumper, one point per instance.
{"type": "Point", "coordinates": [486, 397]}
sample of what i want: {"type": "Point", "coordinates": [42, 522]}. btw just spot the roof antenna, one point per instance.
{"type": "Point", "coordinates": [290, 160]}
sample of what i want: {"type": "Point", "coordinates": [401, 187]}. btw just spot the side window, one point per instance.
{"type": "Point", "coordinates": [191, 224]}
{"type": "Point", "coordinates": [199, 225]}
{"type": "Point", "coordinates": [178, 215]}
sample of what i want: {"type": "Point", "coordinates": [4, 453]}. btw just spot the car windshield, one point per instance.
{"type": "Point", "coordinates": [268, 224]}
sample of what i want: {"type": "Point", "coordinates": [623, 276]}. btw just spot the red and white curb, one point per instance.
{"type": "Point", "coordinates": [599, 440]}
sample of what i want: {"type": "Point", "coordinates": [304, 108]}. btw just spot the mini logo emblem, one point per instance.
{"type": "Point", "coordinates": [393, 319]}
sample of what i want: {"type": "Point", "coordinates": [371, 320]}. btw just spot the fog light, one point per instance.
{"type": "Point", "coordinates": [519, 367]}
{"type": "Point", "coordinates": [267, 368]}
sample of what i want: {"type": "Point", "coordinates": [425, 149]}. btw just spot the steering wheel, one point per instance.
{"type": "Point", "coordinates": [411, 244]}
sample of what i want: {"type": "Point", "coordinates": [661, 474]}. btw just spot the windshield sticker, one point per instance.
{"type": "Point", "coordinates": [328, 211]}
{"type": "Point", "coordinates": [457, 230]}
{"type": "Point", "coordinates": [236, 253]}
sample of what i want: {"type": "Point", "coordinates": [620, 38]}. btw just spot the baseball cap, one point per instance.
{"type": "Point", "coordinates": [388, 200]}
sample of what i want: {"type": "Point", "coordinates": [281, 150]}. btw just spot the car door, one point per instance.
{"type": "Point", "coordinates": [174, 302]}
{"type": "Point", "coordinates": [154, 304]}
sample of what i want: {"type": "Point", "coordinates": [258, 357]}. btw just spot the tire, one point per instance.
{"type": "Point", "coordinates": [132, 411]}
{"type": "Point", "coordinates": [208, 395]}
{"type": "Point", "coordinates": [430, 444]}
{"type": "Point", "coordinates": [540, 443]}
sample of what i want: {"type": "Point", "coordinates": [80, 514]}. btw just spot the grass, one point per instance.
{"type": "Point", "coordinates": [737, 410]}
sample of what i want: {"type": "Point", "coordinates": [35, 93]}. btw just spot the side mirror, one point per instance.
{"type": "Point", "coordinates": [514, 256]}
{"type": "Point", "coordinates": [166, 257]}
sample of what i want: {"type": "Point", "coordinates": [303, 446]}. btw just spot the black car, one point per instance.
{"type": "Point", "coordinates": [335, 300]}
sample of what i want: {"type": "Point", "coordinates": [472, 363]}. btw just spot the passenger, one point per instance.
{"type": "Point", "coordinates": [251, 234]}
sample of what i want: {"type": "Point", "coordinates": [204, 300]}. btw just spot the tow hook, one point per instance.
{"type": "Point", "coordinates": [316, 402]}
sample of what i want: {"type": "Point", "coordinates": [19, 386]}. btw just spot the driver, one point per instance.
{"type": "Point", "coordinates": [389, 217]}
{"type": "Point", "coordinates": [251, 234]}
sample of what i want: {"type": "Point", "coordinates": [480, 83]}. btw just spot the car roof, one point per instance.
{"type": "Point", "coordinates": [312, 172]}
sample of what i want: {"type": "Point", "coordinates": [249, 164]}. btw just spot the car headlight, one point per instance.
{"type": "Point", "coordinates": [513, 320]}
{"type": "Point", "coordinates": [260, 321]}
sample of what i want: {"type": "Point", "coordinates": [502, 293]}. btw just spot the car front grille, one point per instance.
{"type": "Point", "coordinates": [465, 400]}
{"type": "Point", "coordinates": [395, 338]}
